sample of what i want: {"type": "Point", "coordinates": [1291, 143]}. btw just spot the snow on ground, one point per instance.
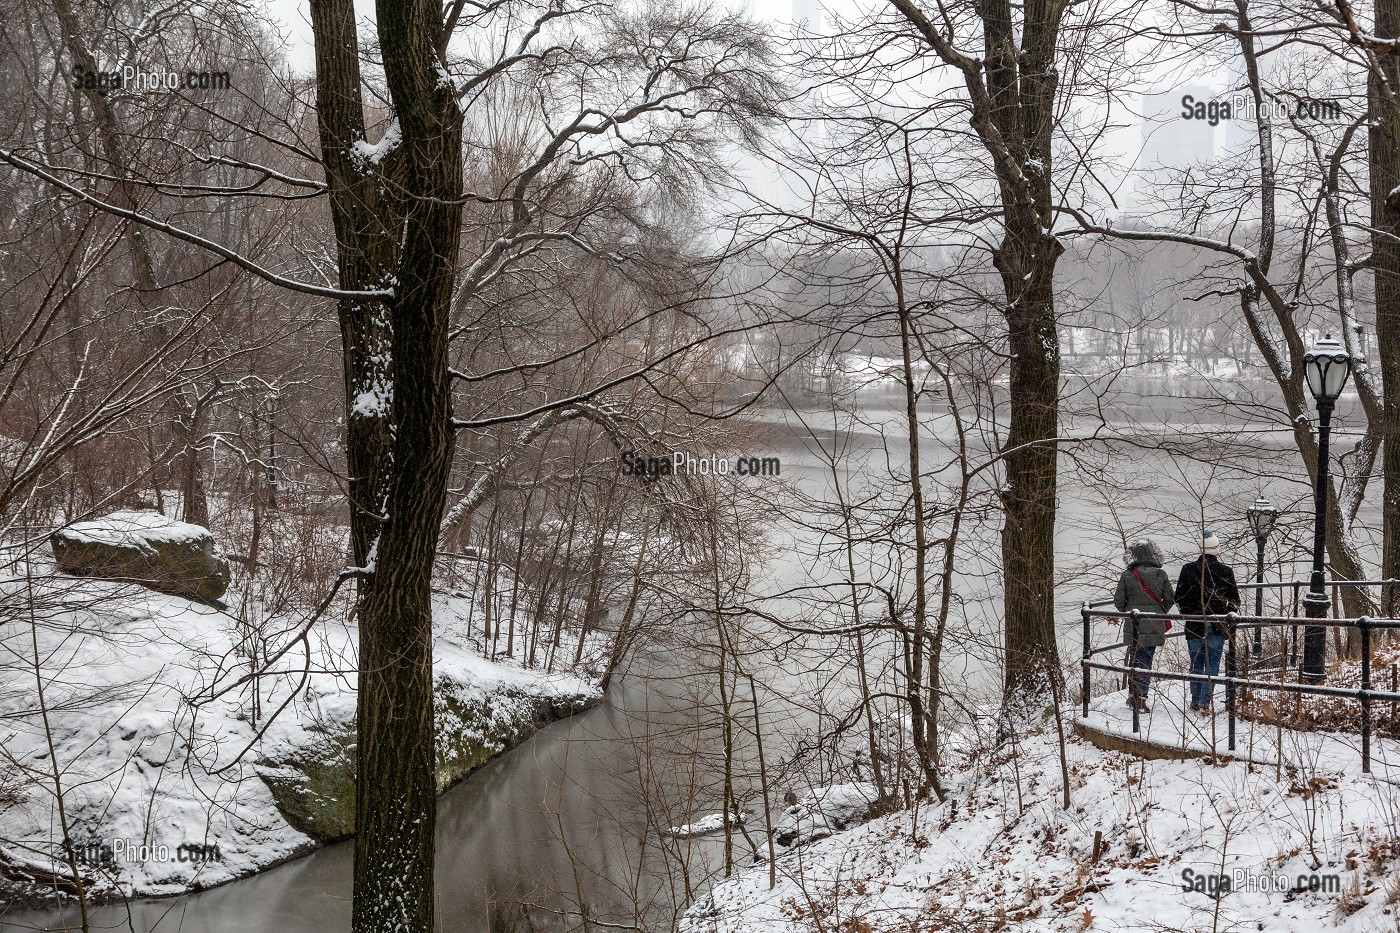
{"type": "Point", "coordinates": [707, 824]}
{"type": "Point", "coordinates": [1001, 853]}
{"type": "Point", "coordinates": [1171, 723]}
{"type": "Point", "coordinates": [155, 739]}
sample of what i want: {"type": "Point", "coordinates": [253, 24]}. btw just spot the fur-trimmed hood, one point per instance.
{"type": "Point", "coordinates": [1144, 554]}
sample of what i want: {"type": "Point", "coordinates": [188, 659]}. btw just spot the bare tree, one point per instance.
{"type": "Point", "coordinates": [1012, 99]}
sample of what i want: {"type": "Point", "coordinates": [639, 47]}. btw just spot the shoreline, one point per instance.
{"type": "Point", "coordinates": [564, 708]}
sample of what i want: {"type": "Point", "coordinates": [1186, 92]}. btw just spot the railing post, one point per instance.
{"type": "Point", "coordinates": [1230, 675]}
{"type": "Point", "coordinates": [1364, 624]}
{"type": "Point", "coordinates": [1293, 651]}
{"type": "Point", "coordinates": [1132, 668]}
{"type": "Point", "coordinates": [1394, 685]}
{"type": "Point", "coordinates": [1084, 662]}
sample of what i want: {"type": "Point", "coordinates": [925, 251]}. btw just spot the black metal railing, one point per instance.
{"type": "Point", "coordinates": [1240, 622]}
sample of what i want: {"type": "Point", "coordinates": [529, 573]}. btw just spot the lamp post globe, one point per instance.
{"type": "Point", "coordinates": [1326, 366]}
{"type": "Point", "coordinates": [1262, 516]}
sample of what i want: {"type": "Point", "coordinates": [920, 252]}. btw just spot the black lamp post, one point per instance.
{"type": "Point", "coordinates": [1327, 367]}
{"type": "Point", "coordinates": [1262, 516]}
{"type": "Point", "coordinates": [272, 478]}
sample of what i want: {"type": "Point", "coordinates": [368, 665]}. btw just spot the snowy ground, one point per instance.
{"type": "Point", "coordinates": [157, 743]}
{"type": "Point", "coordinates": [1002, 853]}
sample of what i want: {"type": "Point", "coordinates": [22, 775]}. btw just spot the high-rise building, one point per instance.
{"type": "Point", "coordinates": [806, 16]}
{"type": "Point", "coordinates": [1241, 133]}
{"type": "Point", "coordinates": [1170, 138]}
{"type": "Point", "coordinates": [1179, 130]}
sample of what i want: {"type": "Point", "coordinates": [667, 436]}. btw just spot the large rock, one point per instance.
{"type": "Point", "coordinates": [314, 783]}
{"type": "Point", "coordinates": [145, 547]}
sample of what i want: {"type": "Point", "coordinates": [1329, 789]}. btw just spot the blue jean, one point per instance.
{"type": "Point", "coordinates": [1138, 682]}
{"type": "Point", "coordinates": [1205, 659]}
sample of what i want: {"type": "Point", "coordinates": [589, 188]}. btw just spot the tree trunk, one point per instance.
{"type": "Point", "coordinates": [1021, 85]}
{"type": "Point", "coordinates": [367, 252]}
{"type": "Point", "coordinates": [923, 711]}
{"type": "Point", "coordinates": [193, 501]}
{"type": "Point", "coordinates": [1384, 140]}
{"type": "Point", "coordinates": [398, 427]}
{"type": "Point", "coordinates": [1287, 369]}
{"type": "Point", "coordinates": [396, 786]}
{"type": "Point", "coordinates": [1028, 496]}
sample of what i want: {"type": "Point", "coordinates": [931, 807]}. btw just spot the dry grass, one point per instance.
{"type": "Point", "coordinates": [1328, 713]}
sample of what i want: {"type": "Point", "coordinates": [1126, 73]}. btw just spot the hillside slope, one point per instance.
{"type": "Point", "coordinates": [1303, 848]}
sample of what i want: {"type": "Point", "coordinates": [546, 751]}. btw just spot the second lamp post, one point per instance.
{"type": "Point", "coordinates": [1262, 515]}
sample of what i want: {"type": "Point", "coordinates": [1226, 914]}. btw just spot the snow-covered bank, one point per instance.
{"type": "Point", "coordinates": [1001, 853]}
{"type": "Point", "coordinates": [174, 775]}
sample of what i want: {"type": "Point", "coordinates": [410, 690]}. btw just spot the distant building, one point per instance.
{"type": "Point", "coordinates": [806, 16]}
{"type": "Point", "coordinates": [1179, 130]}
{"type": "Point", "coordinates": [1172, 140]}
{"type": "Point", "coordinates": [1241, 133]}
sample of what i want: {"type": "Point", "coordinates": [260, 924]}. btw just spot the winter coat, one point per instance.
{"type": "Point", "coordinates": [1132, 595]}
{"type": "Point", "coordinates": [1206, 586]}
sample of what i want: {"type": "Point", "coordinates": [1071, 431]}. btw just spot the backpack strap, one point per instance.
{"type": "Point", "coordinates": [1147, 589]}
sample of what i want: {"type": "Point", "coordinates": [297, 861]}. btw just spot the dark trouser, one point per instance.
{"type": "Point", "coordinates": [1205, 659]}
{"type": "Point", "coordinates": [1138, 681]}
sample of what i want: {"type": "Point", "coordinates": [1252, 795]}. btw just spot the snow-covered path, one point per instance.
{"type": "Point", "coordinates": [1171, 724]}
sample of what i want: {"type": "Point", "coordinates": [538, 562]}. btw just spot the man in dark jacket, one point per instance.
{"type": "Point", "coordinates": [1144, 587]}
{"type": "Point", "coordinates": [1206, 587]}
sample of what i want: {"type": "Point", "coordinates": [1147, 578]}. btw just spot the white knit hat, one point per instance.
{"type": "Point", "coordinates": [1210, 544]}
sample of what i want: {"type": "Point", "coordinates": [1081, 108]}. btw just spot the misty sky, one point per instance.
{"type": "Point", "coordinates": [295, 18]}
{"type": "Point", "coordinates": [1167, 143]}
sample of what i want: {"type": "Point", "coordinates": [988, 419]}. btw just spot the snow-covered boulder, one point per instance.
{"type": "Point", "coordinates": [824, 811]}
{"type": "Point", "coordinates": [148, 548]}
{"type": "Point", "coordinates": [159, 756]}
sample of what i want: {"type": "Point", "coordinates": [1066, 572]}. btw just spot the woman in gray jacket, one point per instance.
{"type": "Point", "coordinates": [1144, 586]}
